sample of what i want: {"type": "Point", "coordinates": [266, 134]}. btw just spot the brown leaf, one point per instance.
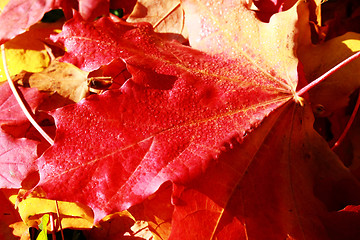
{"type": "Point", "coordinates": [65, 79]}
{"type": "Point", "coordinates": [165, 16]}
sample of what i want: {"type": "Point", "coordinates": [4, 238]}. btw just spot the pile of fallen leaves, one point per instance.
{"type": "Point", "coordinates": [192, 119]}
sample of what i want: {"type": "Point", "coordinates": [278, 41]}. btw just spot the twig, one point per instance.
{"type": "Point", "coordinates": [327, 74]}
{"type": "Point", "coordinates": [19, 100]}
{"type": "Point", "coordinates": [348, 125]}
{"type": "Point", "coordinates": [59, 219]}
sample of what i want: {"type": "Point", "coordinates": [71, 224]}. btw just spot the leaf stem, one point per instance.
{"type": "Point", "coordinates": [59, 219]}
{"type": "Point", "coordinates": [20, 101]}
{"type": "Point", "coordinates": [348, 125]}
{"type": "Point", "coordinates": [327, 74]}
{"type": "Point", "coordinates": [166, 15]}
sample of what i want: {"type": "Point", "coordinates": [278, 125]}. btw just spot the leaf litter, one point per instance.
{"type": "Point", "coordinates": [203, 84]}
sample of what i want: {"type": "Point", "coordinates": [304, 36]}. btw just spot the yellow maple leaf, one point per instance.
{"type": "Point", "coordinates": [72, 215]}
{"type": "Point", "coordinates": [28, 50]}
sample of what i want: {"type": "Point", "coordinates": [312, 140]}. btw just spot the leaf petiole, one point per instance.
{"type": "Point", "coordinates": [327, 74]}
{"type": "Point", "coordinates": [322, 78]}
{"type": "Point", "coordinates": [166, 15]}
{"type": "Point", "coordinates": [20, 101]}
{"type": "Point", "coordinates": [348, 125]}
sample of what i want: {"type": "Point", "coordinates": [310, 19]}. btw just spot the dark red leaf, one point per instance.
{"type": "Point", "coordinates": [344, 224]}
{"type": "Point", "coordinates": [280, 183]}
{"type": "Point", "coordinates": [8, 216]}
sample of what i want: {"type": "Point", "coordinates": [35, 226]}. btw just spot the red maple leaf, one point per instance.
{"type": "Point", "coordinates": [282, 182]}
{"type": "Point", "coordinates": [11, 113]}
{"type": "Point", "coordinates": [169, 130]}
{"type": "Point", "coordinates": [189, 117]}
{"type": "Point", "coordinates": [16, 160]}
{"type": "Point", "coordinates": [17, 153]}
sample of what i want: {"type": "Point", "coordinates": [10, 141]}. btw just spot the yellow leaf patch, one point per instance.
{"type": "Point", "coordinates": [72, 215]}
{"type": "Point", "coordinates": [28, 50]}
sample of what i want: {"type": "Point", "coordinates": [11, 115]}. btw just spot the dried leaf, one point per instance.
{"type": "Point", "coordinates": [166, 17]}
{"type": "Point", "coordinates": [63, 78]}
